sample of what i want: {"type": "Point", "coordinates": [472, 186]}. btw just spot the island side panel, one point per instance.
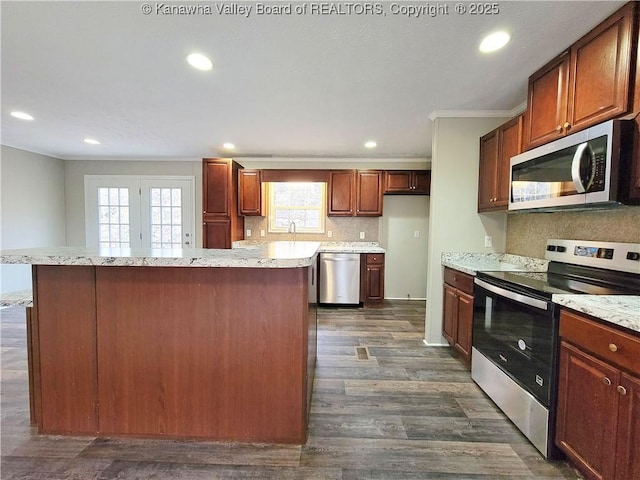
{"type": "Point", "coordinates": [203, 352]}
{"type": "Point", "coordinates": [64, 299]}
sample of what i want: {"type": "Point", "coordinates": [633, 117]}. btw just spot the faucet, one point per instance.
{"type": "Point", "coordinates": [292, 229]}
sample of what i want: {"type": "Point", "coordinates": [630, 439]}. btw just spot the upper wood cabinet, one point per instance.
{"type": "Point", "coordinates": [547, 102]}
{"type": "Point", "coordinates": [355, 193]}
{"type": "Point", "coordinates": [369, 187]}
{"type": "Point", "coordinates": [407, 182]}
{"type": "Point", "coordinates": [250, 192]}
{"type": "Point", "coordinates": [588, 84]}
{"type": "Point", "coordinates": [496, 149]}
{"type": "Point", "coordinates": [221, 223]}
{"type": "Point", "coordinates": [341, 195]}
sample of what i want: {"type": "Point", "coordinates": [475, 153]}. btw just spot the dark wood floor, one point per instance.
{"type": "Point", "coordinates": [384, 407]}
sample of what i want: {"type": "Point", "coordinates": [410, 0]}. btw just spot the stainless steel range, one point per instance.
{"type": "Point", "coordinates": [515, 327]}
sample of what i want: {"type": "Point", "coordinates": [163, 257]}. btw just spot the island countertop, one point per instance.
{"type": "Point", "coordinates": [283, 254]}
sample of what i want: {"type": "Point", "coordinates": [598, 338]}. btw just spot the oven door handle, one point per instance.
{"type": "Point", "coordinates": [516, 297]}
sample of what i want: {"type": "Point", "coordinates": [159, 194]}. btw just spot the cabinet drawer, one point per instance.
{"type": "Point", "coordinates": [460, 280]}
{"type": "Point", "coordinates": [615, 346]}
{"type": "Point", "coordinates": [374, 259]}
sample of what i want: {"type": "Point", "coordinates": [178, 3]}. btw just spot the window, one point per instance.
{"type": "Point", "coordinates": [302, 203]}
{"type": "Point", "coordinates": [125, 211]}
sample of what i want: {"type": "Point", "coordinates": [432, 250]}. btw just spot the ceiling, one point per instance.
{"type": "Point", "coordinates": [282, 85]}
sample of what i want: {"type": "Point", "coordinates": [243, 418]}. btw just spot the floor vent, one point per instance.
{"type": "Point", "coordinates": [362, 353]}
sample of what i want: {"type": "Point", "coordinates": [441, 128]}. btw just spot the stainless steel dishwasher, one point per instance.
{"type": "Point", "coordinates": [340, 278]}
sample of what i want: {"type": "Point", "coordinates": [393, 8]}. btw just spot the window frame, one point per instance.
{"type": "Point", "coordinates": [271, 210]}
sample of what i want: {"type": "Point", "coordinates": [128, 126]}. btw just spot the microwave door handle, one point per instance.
{"type": "Point", "coordinates": [516, 297]}
{"type": "Point", "coordinates": [575, 167]}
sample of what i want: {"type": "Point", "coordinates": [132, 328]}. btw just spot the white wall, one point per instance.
{"type": "Point", "coordinates": [75, 170]}
{"type": "Point", "coordinates": [406, 256]}
{"type": "Point", "coordinates": [32, 209]}
{"type": "Point", "coordinates": [454, 224]}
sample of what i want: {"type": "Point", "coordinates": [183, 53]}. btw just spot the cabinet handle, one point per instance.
{"type": "Point", "coordinates": [606, 381]}
{"type": "Point", "coordinates": [613, 347]}
{"type": "Point", "coordinates": [559, 128]}
{"type": "Point", "coordinates": [567, 125]}
{"type": "Point", "coordinates": [621, 390]}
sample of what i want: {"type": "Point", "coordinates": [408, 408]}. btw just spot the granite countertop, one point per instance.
{"type": "Point", "coordinates": [621, 310]}
{"type": "Point", "coordinates": [22, 298]}
{"type": "Point", "coordinates": [471, 263]}
{"type": "Point", "coordinates": [268, 255]}
{"type": "Point", "coordinates": [335, 247]}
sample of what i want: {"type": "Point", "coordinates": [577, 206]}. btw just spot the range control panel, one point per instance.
{"type": "Point", "coordinates": [623, 257]}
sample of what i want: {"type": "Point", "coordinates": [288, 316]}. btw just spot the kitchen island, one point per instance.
{"type": "Point", "coordinates": [216, 344]}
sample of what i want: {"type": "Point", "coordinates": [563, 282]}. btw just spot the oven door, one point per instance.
{"type": "Point", "coordinates": [517, 333]}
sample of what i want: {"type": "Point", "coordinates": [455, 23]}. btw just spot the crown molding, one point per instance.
{"type": "Point", "coordinates": [517, 110]}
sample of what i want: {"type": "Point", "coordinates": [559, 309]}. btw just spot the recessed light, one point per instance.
{"type": "Point", "coordinates": [199, 61]}
{"type": "Point", "coordinates": [370, 144]}
{"type": "Point", "coordinates": [21, 115]}
{"type": "Point", "coordinates": [91, 141]}
{"type": "Point", "coordinates": [228, 146]}
{"type": "Point", "coordinates": [494, 41]}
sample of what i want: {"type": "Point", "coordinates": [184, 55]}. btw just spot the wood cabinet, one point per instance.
{"type": "Point", "coordinates": [250, 192]}
{"type": "Point", "coordinates": [457, 313]}
{"type": "Point", "coordinates": [372, 278]}
{"type": "Point", "coordinates": [222, 224]}
{"type": "Point", "coordinates": [598, 420]}
{"type": "Point", "coordinates": [496, 149]}
{"type": "Point", "coordinates": [585, 85]}
{"type": "Point", "coordinates": [407, 182]}
{"type": "Point", "coordinates": [355, 193]}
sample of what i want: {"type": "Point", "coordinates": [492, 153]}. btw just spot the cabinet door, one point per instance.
{"type": "Point", "coordinates": [587, 406]}
{"type": "Point", "coordinates": [369, 193]}
{"type": "Point", "coordinates": [449, 313]}
{"type": "Point", "coordinates": [465, 325]}
{"type": "Point", "coordinates": [628, 449]}
{"type": "Point", "coordinates": [375, 284]}
{"type": "Point", "coordinates": [487, 171]}
{"type": "Point", "coordinates": [600, 71]}
{"type": "Point", "coordinates": [634, 187]}
{"type": "Point", "coordinates": [547, 102]}
{"type": "Point", "coordinates": [422, 182]}
{"type": "Point", "coordinates": [510, 145]}
{"type": "Point", "coordinates": [216, 189]}
{"type": "Point", "coordinates": [341, 193]}
{"type": "Point", "coordinates": [398, 181]}
{"type": "Point", "coordinates": [216, 233]}
{"type": "Point", "coordinates": [250, 192]}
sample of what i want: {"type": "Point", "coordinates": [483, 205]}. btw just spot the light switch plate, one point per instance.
{"type": "Point", "coordinates": [262, 233]}
{"type": "Point", "coordinates": [361, 235]}
{"type": "Point", "coordinates": [329, 234]}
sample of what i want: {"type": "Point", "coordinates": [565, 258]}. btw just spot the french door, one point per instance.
{"type": "Point", "coordinates": [139, 211]}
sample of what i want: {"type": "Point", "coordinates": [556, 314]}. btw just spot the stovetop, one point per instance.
{"type": "Point", "coordinates": [580, 267]}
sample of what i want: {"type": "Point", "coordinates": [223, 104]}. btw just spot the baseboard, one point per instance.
{"type": "Point", "coordinates": [434, 344]}
{"type": "Point", "coordinates": [405, 298]}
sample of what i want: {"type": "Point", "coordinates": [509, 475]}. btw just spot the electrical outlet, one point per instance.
{"type": "Point", "coordinates": [248, 232]}
{"type": "Point", "coordinates": [416, 234]}
{"type": "Point", "coordinates": [262, 233]}
{"type": "Point", "coordinates": [488, 241]}
{"type": "Point", "coordinates": [329, 234]}
{"type": "Point", "coordinates": [361, 235]}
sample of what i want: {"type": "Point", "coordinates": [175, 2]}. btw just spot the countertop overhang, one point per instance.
{"type": "Point", "coordinates": [268, 255]}
{"type": "Point", "coordinates": [280, 254]}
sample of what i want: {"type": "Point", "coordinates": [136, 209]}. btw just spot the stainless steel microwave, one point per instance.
{"type": "Point", "coordinates": [580, 170]}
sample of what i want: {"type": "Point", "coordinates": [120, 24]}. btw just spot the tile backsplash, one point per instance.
{"type": "Point", "coordinates": [343, 229]}
{"type": "Point", "coordinates": [527, 233]}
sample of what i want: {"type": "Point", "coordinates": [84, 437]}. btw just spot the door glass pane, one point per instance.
{"type": "Point", "coordinates": [166, 220]}
{"type": "Point", "coordinates": [113, 217]}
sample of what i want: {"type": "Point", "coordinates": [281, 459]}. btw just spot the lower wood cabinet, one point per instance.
{"type": "Point", "coordinates": [372, 278]}
{"type": "Point", "coordinates": [598, 421]}
{"type": "Point", "coordinates": [457, 313]}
